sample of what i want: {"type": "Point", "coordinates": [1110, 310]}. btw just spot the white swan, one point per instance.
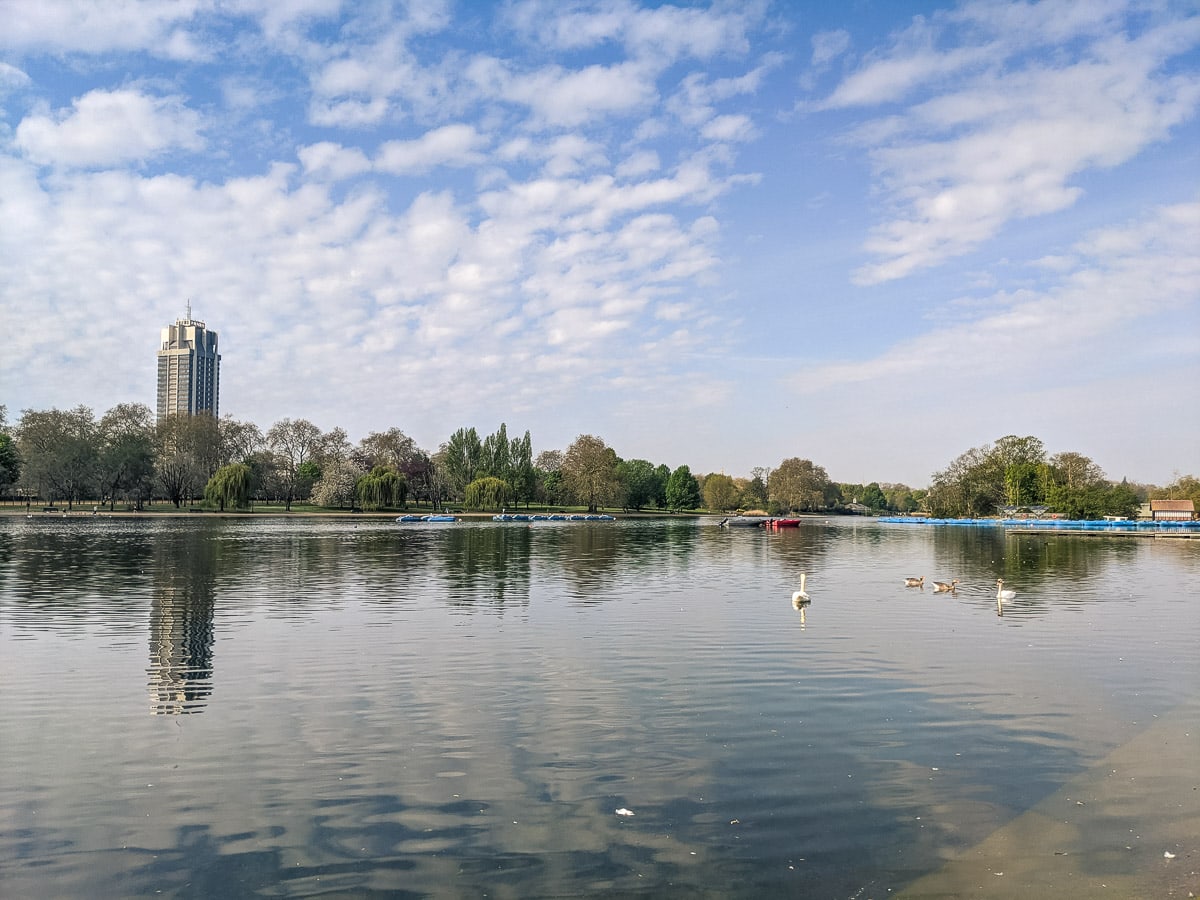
{"type": "Point", "coordinates": [800, 597]}
{"type": "Point", "coordinates": [1002, 594]}
{"type": "Point", "coordinates": [940, 587]}
{"type": "Point", "coordinates": [915, 582]}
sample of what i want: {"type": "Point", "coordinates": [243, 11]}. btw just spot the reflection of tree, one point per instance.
{"type": "Point", "coordinates": [486, 563]}
{"type": "Point", "coordinates": [181, 623]}
{"type": "Point", "coordinates": [594, 556]}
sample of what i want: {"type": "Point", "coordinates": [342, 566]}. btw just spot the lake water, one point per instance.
{"type": "Point", "coordinates": [296, 707]}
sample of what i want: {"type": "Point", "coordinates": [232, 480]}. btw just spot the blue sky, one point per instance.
{"type": "Point", "coordinates": [870, 234]}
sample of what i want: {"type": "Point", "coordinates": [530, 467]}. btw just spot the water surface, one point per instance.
{"type": "Point", "coordinates": [296, 707]}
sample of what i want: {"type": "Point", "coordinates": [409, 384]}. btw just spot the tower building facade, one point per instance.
{"type": "Point", "coordinates": [189, 369]}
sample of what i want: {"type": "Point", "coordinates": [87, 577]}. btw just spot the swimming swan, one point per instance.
{"type": "Point", "coordinates": [915, 582]}
{"type": "Point", "coordinates": [800, 597]}
{"type": "Point", "coordinates": [940, 587]}
{"type": "Point", "coordinates": [1002, 594]}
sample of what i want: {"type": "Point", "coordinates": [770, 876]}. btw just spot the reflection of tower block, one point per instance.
{"type": "Point", "coordinates": [181, 641]}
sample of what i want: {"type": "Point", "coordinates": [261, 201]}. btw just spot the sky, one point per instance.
{"type": "Point", "coordinates": [869, 234]}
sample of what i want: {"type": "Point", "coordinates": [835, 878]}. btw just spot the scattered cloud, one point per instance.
{"type": "Point", "coordinates": [450, 145]}
{"type": "Point", "coordinates": [105, 128]}
{"type": "Point", "coordinates": [537, 211]}
{"type": "Point", "coordinates": [158, 27]}
{"type": "Point", "coordinates": [1113, 277]}
{"type": "Point", "coordinates": [996, 134]}
{"type": "Point", "coordinates": [828, 46]}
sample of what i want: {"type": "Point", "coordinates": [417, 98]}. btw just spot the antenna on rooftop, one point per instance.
{"type": "Point", "coordinates": [189, 309]}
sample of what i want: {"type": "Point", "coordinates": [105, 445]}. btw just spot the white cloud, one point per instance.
{"type": "Point", "coordinates": [828, 46]}
{"type": "Point", "coordinates": [331, 161]}
{"type": "Point", "coordinates": [451, 145]}
{"type": "Point", "coordinates": [109, 127]}
{"type": "Point", "coordinates": [729, 128]}
{"type": "Point", "coordinates": [1003, 137]}
{"type": "Point", "coordinates": [643, 162]}
{"type": "Point", "coordinates": [1113, 278]}
{"type": "Point", "coordinates": [156, 27]}
{"type": "Point", "coordinates": [666, 33]}
{"type": "Point", "coordinates": [11, 77]}
{"type": "Point", "coordinates": [360, 83]}
{"type": "Point", "coordinates": [560, 97]}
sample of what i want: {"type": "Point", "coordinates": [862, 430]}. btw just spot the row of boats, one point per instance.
{"type": "Point", "coordinates": [511, 517]}
{"type": "Point", "coordinates": [552, 517]}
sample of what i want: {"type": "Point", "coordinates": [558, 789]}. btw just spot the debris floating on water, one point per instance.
{"type": "Point", "coordinates": [624, 812]}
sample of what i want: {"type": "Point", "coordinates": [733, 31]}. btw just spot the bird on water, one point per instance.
{"type": "Point", "coordinates": [1001, 593]}
{"type": "Point", "coordinates": [940, 587]}
{"type": "Point", "coordinates": [800, 597]}
{"type": "Point", "coordinates": [915, 582]}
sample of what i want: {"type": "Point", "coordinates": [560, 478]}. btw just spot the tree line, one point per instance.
{"type": "Point", "coordinates": [125, 456]}
{"type": "Point", "coordinates": [1017, 473]}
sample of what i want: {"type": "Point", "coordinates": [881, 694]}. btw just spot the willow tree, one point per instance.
{"type": "Point", "coordinates": [383, 486]}
{"type": "Point", "coordinates": [229, 486]}
{"type": "Point", "coordinates": [488, 492]}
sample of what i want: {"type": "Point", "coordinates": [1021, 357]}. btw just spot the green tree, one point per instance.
{"type": "Point", "coordinates": [229, 486]}
{"type": "Point", "coordinates": [10, 463]}
{"type": "Point", "coordinates": [798, 484]}
{"type": "Point", "coordinates": [663, 474]}
{"type": "Point", "coordinates": [60, 450]}
{"type": "Point", "coordinates": [683, 492]}
{"type": "Point", "coordinates": [972, 485]}
{"type": "Point", "coordinates": [488, 492]}
{"type": "Point", "coordinates": [640, 483]}
{"type": "Point", "coordinates": [382, 487]}
{"type": "Point", "coordinates": [125, 462]}
{"type": "Point", "coordinates": [460, 458]}
{"type": "Point", "coordinates": [1123, 500]}
{"type": "Point", "coordinates": [1023, 483]}
{"type": "Point", "coordinates": [296, 446]}
{"type": "Point", "coordinates": [873, 496]}
{"type": "Point", "coordinates": [754, 495]}
{"type": "Point", "coordinates": [1184, 487]}
{"type": "Point", "coordinates": [523, 473]}
{"type": "Point", "coordinates": [589, 471]}
{"type": "Point", "coordinates": [187, 452]}
{"type": "Point", "coordinates": [720, 492]}
{"type": "Point", "coordinates": [496, 455]}
{"type": "Point", "coordinates": [1074, 470]}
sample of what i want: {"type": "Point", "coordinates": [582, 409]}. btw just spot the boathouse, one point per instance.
{"type": "Point", "coordinates": [1172, 510]}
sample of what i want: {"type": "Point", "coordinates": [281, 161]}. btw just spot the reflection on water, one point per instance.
{"type": "Point", "coordinates": [424, 711]}
{"type": "Point", "coordinates": [181, 624]}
